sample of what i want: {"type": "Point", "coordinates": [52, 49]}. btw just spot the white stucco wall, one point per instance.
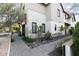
{"type": "Point", "coordinates": [33, 16]}
{"type": "Point", "coordinates": [36, 7]}
{"type": "Point", "coordinates": [67, 51]}
{"type": "Point", "coordinates": [50, 26]}
{"type": "Point", "coordinates": [48, 13]}
{"type": "Point", "coordinates": [35, 13]}
{"type": "Point", "coordinates": [41, 14]}
{"type": "Point", "coordinates": [51, 12]}
{"type": "Point", "coordinates": [52, 18]}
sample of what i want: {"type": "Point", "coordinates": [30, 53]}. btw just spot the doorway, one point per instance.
{"type": "Point", "coordinates": [23, 29]}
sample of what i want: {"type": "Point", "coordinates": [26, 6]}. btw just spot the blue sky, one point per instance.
{"type": "Point", "coordinates": [71, 7]}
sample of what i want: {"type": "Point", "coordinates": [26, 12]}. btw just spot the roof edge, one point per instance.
{"type": "Point", "coordinates": [65, 11]}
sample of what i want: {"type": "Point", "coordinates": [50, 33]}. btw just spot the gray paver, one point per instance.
{"type": "Point", "coordinates": [19, 48]}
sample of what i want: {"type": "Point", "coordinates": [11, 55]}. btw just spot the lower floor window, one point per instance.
{"type": "Point", "coordinates": [55, 27]}
{"type": "Point", "coordinates": [43, 28]}
{"type": "Point", "coordinates": [34, 27]}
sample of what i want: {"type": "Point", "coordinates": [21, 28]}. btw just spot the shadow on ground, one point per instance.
{"type": "Point", "coordinates": [56, 52]}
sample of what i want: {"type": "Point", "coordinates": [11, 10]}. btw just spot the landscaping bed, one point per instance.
{"type": "Point", "coordinates": [32, 43]}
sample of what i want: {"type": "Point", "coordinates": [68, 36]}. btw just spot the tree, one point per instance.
{"type": "Point", "coordinates": [20, 12]}
{"type": "Point", "coordinates": [6, 9]}
{"type": "Point", "coordinates": [76, 39]}
{"type": "Point", "coordinates": [14, 14]}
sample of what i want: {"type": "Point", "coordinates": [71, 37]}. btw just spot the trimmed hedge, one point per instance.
{"type": "Point", "coordinates": [76, 39]}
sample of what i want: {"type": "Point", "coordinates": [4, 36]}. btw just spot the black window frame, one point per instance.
{"type": "Point", "coordinates": [55, 27]}
{"type": "Point", "coordinates": [43, 28]}
{"type": "Point", "coordinates": [58, 12]}
{"type": "Point", "coordinates": [34, 31]}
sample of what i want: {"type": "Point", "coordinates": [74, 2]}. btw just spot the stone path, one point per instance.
{"type": "Point", "coordinates": [19, 48]}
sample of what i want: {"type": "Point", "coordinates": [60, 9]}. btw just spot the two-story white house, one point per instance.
{"type": "Point", "coordinates": [69, 20]}
{"type": "Point", "coordinates": [50, 16]}
{"type": "Point", "coordinates": [36, 16]}
{"type": "Point", "coordinates": [55, 18]}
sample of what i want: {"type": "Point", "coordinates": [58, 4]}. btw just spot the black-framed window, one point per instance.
{"type": "Point", "coordinates": [58, 12]}
{"type": "Point", "coordinates": [55, 27]}
{"type": "Point", "coordinates": [43, 28]}
{"type": "Point", "coordinates": [34, 27]}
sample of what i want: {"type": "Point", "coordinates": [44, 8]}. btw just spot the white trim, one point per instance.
{"type": "Point", "coordinates": [67, 50]}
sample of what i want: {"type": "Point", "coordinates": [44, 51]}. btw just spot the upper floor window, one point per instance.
{"type": "Point", "coordinates": [58, 12]}
{"type": "Point", "coordinates": [34, 27]}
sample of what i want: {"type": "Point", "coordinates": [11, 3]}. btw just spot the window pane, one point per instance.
{"type": "Point", "coordinates": [55, 27]}
{"type": "Point", "coordinates": [34, 27]}
{"type": "Point", "coordinates": [58, 12]}
{"type": "Point", "coordinates": [43, 28]}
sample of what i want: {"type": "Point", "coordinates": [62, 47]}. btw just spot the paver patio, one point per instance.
{"type": "Point", "coordinates": [19, 48]}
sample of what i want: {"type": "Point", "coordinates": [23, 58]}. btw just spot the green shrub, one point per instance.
{"type": "Point", "coordinates": [17, 29]}
{"type": "Point", "coordinates": [71, 30]}
{"type": "Point", "coordinates": [61, 28]}
{"type": "Point", "coordinates": [29, 40]}
{"type": "Point", "coordinates": [76, 39]}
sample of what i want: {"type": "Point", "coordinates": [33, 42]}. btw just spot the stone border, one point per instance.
{"type": "Point", "coordinates": [36, 44]}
